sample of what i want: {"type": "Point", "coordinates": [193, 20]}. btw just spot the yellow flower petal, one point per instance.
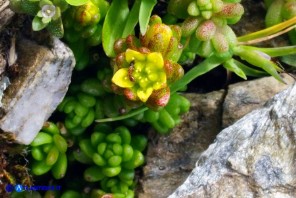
{"type": "Point", "coordinates": [162, 78]}
{"type": "Point", "coordinates": [131, 55]}
{"type": "Point", "coordinates": [144, 94]}
{"type": "Point", "coordinates": [156, 59]}
{"type": "Point", "coordinates": [121, 79]}
{"type": "Point", "coordinates": [157, 86]}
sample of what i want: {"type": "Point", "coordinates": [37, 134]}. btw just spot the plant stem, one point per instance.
{"type": "Point", "coordinates": [130, 114]}
{"type": "Point", "coordinates": [268, 31]}
{"type": "Point", "coordinates": [274, 52]}
{"type": "Point", "coordinates": [198, 70]}
{"type": "Point", "coordinates": [258, 40]}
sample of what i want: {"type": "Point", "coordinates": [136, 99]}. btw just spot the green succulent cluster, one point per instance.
{"type": "Point", "coordinates": [163, 120]}
{"type": "Point", "coordinates": [79, 110]}
{"type": "Point", "coordinates": [82, 103]}
{"type": "Point", "coordinates": [206, 24]}
{"type": "Point", "coordinates": [83, 29]}
{"type": "Point", "coordinates": [48, 151]}
{"type": "Point", "coordinates": [168, 117]}
{"type": "Point", "coordinates": [206, 33]}
{"type": "Point", "coordinates": [112, 155]}
{"type": "Point", "coordinates": [279, 11]}
{"type": "Point", "coordinates": [228, 11]}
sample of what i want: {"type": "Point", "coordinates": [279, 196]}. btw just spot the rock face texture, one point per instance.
{"type": "Point", "coordinates": [45, 73]}
{"type": "Point", "coordinates": [255, 157]}
{"type": "Point", "coordinates": [171, 158]}
{"type": "Point", "coordinates": [241, 98]}
{"type": "Point", "coordinates": [5, 13]}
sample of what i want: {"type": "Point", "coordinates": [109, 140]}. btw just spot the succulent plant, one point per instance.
{"type": "Point", "coordinates": [48, 150]}
{"type": "Point", "coordinates": [144, 68]}
{"type": "Point", "coordinates": [113, 155]}
{"type": "Point", "coordinates": [47, 14]}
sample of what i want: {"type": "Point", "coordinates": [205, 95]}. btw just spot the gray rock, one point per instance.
{"type": "Point", "coordinates": [255, 157]}
{"type": "Point", "coordinates": [5, 14]}
{"type": "Point", "coordinates": [44, 76]}
{"type": "Point", "coordinates": [171, 158]}
{"type": "Point", "coordinates": [2, 64]}
{"type": "Point", "coordinates": [242, 98]}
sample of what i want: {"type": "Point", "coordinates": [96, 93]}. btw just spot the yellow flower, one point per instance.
{"type": "Point", "coordinates": [144, 75]}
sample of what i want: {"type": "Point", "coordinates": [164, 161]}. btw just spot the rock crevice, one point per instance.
{"type": "Point", "coordinates": [258, 151]}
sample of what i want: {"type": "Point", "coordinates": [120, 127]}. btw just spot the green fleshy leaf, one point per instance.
{"type": "Point", "coordinates": [289, 60]}
{"type": "Point", "coordinates": [46, 20]}
{"type": "Point", "coordinates": [274, 13]}
{"type": "Point", "coordinates": [254, 58]}
{"type": "Point", "coordinates": [232, 66]}
{"type": "Point", "coordinates": [274, 51]}
{"type": "Point", "coordinates": [45, 2]}
{"type": "Point", "coordinates": [114, 24]}
{"type": "Point", "coordinates": [77, 2]}
{"type": "Point", "coordinates": [57, 14]}
{"type": "Point", "coordinates": [55, 27]}
{"type": "Point", "coordinates": [37, 24]}
{"type": "Point", "coordinates": [146, 8]}
{"type": "Point", "coordinates": [39, 14]}
{"type": "Point", "coordinates": [250, 71]}
{"type": "Point", "coordinates": [132, 19]}
{"type": "Point", "coordinates": [27, 7]}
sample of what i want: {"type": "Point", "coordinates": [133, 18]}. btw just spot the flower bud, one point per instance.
{"type": "Point", "coordinates": [229, 34]}
{"type": "Point", "coordinates": [120, 61]}
{"type": "Point", "coordinates": [220, 43]}
{"type": "Point", "coordinates": [231, 10]}
{"type": "Point", "coordinates": [120, 46]}
{"type": "Point", "coordinates": [130, 95]}
{"type": "Point", "coordinates": [206, 30]}
{"type": "Point", "coordinates": [177, 31]}
{"type": "Point", "coordinates": [163, 38]}
{"type": "Point", "coordinates": [157, 37]}
{"type": "Point", "coordinates": [174, 50]}
{"type": "Point", "coordinates": [87, 14]}
{"type": "Point", "coordinates": [174, 71]}
{"type": "Point", "coordinates": [159, 98]}
{"type": "Point", "coordinates": [189, 26]}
